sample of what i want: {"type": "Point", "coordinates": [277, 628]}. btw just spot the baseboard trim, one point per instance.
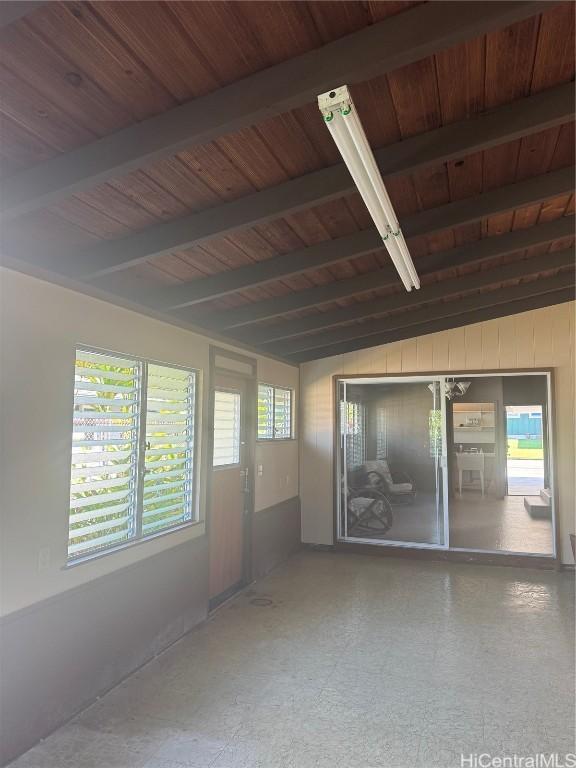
{"type": "Point", "coordinates": [318, 547]}
{"type": "Point", "coordinates": [218, 600]}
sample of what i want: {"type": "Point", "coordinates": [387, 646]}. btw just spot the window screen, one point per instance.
{"type": "Point", "coordinates": [132, 467]}
{"type": "Point", "coordinates": [169, 457]}
{"type": "Point", "coordinates": [226, 428]}
{"type": "Point", "coordinates": [381, 433]}
{"type": "Point", "coordinates": [353, 420]}
{"type": "Point", "coordinates": [282, 413]}
{"type": "Point", "coordinates": [274, 412]}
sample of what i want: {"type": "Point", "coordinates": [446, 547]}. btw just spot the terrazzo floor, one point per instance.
{"type": "Point", "coordinates": [504, 525]}
{"type": "Point", "coordinates": [347, 661]}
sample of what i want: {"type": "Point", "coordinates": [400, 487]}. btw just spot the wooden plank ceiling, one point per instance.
{"type": "Point", "coordinates": [248, 234]}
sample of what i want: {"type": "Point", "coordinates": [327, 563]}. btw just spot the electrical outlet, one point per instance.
{"type": "Point", "coordinates": [43, 558]}
{"type": "Point", "coordinates": [260, 470]}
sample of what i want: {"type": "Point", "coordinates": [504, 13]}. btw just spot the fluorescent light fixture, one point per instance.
{"type": "Point", "coordinates": [344, 124]}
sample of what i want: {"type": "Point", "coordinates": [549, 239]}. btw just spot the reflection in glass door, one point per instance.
{"type": "Point", "coordinates": [391, 462]}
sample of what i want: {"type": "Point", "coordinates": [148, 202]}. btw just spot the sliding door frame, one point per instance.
{"type": "Point", "coordinates": [341, 476]}
{"type": "Point", "coordinates": [458, 553]}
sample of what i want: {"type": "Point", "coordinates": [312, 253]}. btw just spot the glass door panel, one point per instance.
{"type": "Point", "coordinates": [391, 461]}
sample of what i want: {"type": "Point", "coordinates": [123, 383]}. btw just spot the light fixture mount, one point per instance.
{"type": "Point", "coordinates": [334, 100]}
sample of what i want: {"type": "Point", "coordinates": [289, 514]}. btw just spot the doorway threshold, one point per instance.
{"type": "Point", "coordinates": [478, 557]}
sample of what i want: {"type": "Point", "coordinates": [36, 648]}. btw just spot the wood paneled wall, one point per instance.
{"type": "Point", "coordinates": [538, 339]}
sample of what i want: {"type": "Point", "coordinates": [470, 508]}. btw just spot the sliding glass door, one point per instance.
{"type": "Point", "coordinates": [392, 484]}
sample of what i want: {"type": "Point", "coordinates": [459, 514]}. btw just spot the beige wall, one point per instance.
{"type": "Point", "coordinates": [278, 459]}
{"type": "Point", "coordinates": [40, 326]}
{"type": "Point", "coordinates": [541, 338]}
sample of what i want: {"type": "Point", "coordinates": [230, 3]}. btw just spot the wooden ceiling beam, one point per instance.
{"type": "Point", "coordinates": [296, 262]}
{"type": "Point", "coordinates": [502, 125]}
{"type": "Point", "coordinates": [444, 289]}
{"type": "Point", "coordinates": [521, 118]}
{"type": "Point", "coordinates": [508, 301]}
{"type": "Point", "coordinates": [506, 198]}
{"type": "Point", "coordinates": [393, 43]}
{"type": "Point", "coordinates": [281, 305]}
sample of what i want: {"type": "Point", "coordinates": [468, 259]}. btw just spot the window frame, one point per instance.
{"type": "Point", "coordinates": [138, 537]}
{"type": "Point", "coordinates": [229, 390]}
{"type": "Point", "coordinates": [273, 438]}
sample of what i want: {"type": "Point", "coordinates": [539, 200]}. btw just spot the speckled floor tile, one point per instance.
{"type": "Point", "coordinates": [352, 662]}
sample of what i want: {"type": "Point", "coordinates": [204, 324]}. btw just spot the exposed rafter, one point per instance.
{"type": "Point", "coordinates": [507, 123]}
{"type": "Point", "coordinates": [506, 198]}
{"type": "Point", "coordinates": [377, 49]}
{"type": "Point", "coordinates": [294, 263]}
{"type": "Point", "coordinates": [433, 262]}
{"type": "Point", "coordinates": [507, 301]}
{"type": "Point", "coordinates": [444, 289]}
{"type": "Point", "coordinates": [482, 250]}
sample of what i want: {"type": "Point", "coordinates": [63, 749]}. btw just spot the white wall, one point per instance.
{"type": "Point", "coordinates": [40, 326]}
{"type": "Point", "coordinates": [540, 338]}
